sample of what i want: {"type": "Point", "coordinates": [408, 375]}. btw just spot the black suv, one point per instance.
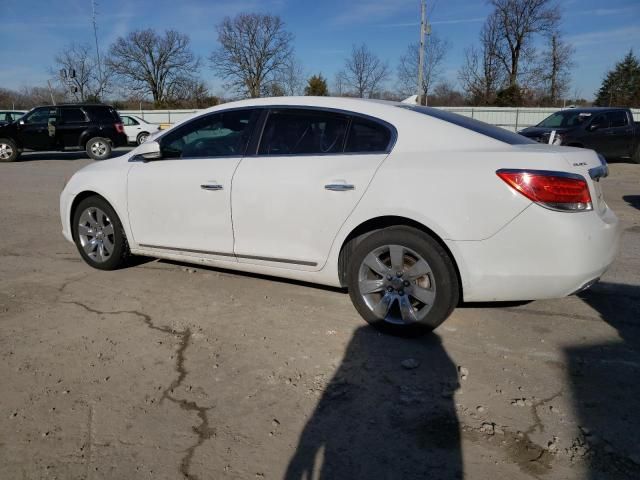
{"type": "Point", "coordinates": [95, 128]}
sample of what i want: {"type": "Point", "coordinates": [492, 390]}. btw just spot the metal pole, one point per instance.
{"type": "Point", "coordinates": [53, 100]}
{"type": "Point", "coordinates": [423, 11]}
{"type": "Point", "coordinates": [95, 36]}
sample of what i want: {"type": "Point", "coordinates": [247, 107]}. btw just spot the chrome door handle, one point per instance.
{"type": "Point", "coordinates": [211, 186]}
{"type": "Point", "coordinates": [339, 187]}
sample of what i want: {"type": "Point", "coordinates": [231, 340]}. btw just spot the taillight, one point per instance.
{"type": "Point", "coordinates": [561, 191]}
{"type": "Point", "coordinates": [119, 127]}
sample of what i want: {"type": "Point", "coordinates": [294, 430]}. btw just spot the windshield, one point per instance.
{"type": "Point", "coordinates": [565, 118]}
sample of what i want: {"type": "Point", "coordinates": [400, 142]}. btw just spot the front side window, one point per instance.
{"type": "Point", "coordinates": [617, 119]}
{"type": "Point", "coordinates": [216, 135]}
{"type": "Point", "coordinates": [72, 115]}
{"type": "Point", "coordinates": [41, 115]}
{"type": "Point", "coordinates": [298, 131]}
{"type": "Point", "coordinates": [600, 121]}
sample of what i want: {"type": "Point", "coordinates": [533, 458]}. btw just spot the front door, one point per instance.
{"type": "Point", "coordinates": [37, 129]}
{"type": "Point", "coordinates": [182, 202]}
{"type": "Point", "coordinates": [290, 200]}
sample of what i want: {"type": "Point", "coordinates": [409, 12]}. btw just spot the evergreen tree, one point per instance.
{"type": "Point", "coordinates": [316, 86]}
{"type": "Point", "coordinates": [621, 87]}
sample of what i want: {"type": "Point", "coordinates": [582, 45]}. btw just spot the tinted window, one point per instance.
{"type": "Point", "coordinates": [298, 131]}
{"type": "Point", "coordinates": [367, 136]}
{"type": "Point", "coordinates": [128, 121]}
{"type": "Point", "coordinates": [600, 120]}
{"type": "Point", "coordinates": [215, 135]}
{"type": "Point", "coordinates": [72, 115]}
{"type": "Point", "coordinates": [41, 115]}
{"type": "Point", "coordinates": [102, 113]}
{"type": "Point", "coordinates": [617, 119]}
{"type": "Point", "coordinates": [477, 126]}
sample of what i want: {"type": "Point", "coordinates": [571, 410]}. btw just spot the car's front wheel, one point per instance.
{"type": "Point", "coordinates": [98, 234]}
{"type": "Point", "coordinates": [402, 281]}
{"type": "Point", "coordinates": [99, 148]}
{"type": "Point", "coordinates": [8, 150]}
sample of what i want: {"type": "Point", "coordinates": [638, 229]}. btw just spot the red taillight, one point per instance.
{"type": "Point", "coordinates": [119, 127]}
{"type": "Point", "coordinates": [555, 190]}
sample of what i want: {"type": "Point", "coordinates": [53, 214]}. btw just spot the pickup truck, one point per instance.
{"type": "Point", "coordinates": [95, 128]}
{"type": "Point", "coordinates": [611, 132]}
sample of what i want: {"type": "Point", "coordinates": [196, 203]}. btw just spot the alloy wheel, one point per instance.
{"type": "Point", "coordinates": [6, 151]}
{"type": "Point", "coordinates": [96, 234]}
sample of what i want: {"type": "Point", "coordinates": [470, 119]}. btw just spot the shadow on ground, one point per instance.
{"type": "Point", "coordinates": [377, 419]}
{"type": "Point", "coordinates": [632, 200]}
{"type": "Point", "coordinates": [72, 155]}
{"type": "Point", "coordinates": [606, 391]}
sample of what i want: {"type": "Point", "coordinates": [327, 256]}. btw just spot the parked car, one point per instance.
{"type": "Point", "coordinates": [411, 208]}
{"type": "Point", "coordinates": [8, 116]}
{"type": "Point", "coordinates": [611, 132]}
{"type": "Point", "coordinates": [93, 127]}
{"type": "Point", "coordinates": [137, 129]}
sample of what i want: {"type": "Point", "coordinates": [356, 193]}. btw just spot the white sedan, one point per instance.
{"type": "Point", "coordinates": [137, 129]}
{"type": "Point", "coordinates": [413, 209]}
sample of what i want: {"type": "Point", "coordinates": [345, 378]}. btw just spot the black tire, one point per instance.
{"type": "Point", "coordinates": [99, 148]}
{"type": "Point", "coordinates": [8, 150]}
{"type": "Point", "coordinates": [120, 253]}
{"type": "Point", "coordinates": [142, 136]}
{"type": "Point", "coordinates": [442, 279]}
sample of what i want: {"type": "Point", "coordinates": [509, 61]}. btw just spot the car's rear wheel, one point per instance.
{"type": "Point", "coordinates": [142, 137]}
{"type": "Point", "coordinates": [8, 150]}
{"type": "Point", "coordinates": [402, 281]}
{"type": "Point", "coordinates": [98, 234]}
{"type": "Point", "coordinates": [99, 148]}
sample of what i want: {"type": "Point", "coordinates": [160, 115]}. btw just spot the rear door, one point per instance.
{"type": "Point", "coordinates": [72, 122]}
{"type": "Point", "coordinates": [311, 168]}
{"type": "Point", "coordinates": [37, 131]}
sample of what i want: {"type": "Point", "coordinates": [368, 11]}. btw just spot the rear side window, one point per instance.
{"type": "Point", "coordinates": [477, 126]}
{"type": "Point", "coordinates": [128, 121]}
{"type": "Point", "coordinates": [72, 115]}
{"type": "Point", "coordinates": [617, 119]}
{"type": "Point", "coordinates": [102, 113]}
{"type": "Point", "coordinates": [366, 136]}
{"type": "Point", "coordinates": [298, 131]}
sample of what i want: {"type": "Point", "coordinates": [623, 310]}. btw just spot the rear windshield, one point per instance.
{"type": "Point", "coordinates": [101, 113]}
{"type": "Point", "coordinates": [477, 126]}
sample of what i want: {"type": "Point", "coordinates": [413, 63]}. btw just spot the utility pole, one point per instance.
{"type": "Point", "coordinates": [53, 100]}
{"type": "Point", "coordinates": [95, 36]}
{"type": "Point", "coordinates": [425, 29]}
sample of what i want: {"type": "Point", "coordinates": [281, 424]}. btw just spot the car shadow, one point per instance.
{"type": "Point", "coordinates": [606, 391]}
{"type": "Point", "coordinates": [632, 200]}
{"type": "Point", "coordinates": [72, 155]}
{"type": "Point", "coordinates": [378, 419]}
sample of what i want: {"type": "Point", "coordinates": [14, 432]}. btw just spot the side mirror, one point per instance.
{"type": "Point", "coordinates": [20, 122]}
{"type": "Point", "coordinates": [149, 150]}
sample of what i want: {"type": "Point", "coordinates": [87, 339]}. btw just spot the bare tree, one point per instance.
{"type": "Point", "coordinates": [482, 73]}
{"type": "Point", "coordinates": [86, 82]}
{"type": "Point", "coordinates": [153, 64]}
{"type": "Point", "coordinates": [556, 65]}
{"type": "Point", "coordinates": [517, 22]}
{"type": "Point", "coordinates": [254, 50]}
{"type": "Point", "coordinates": [339, 84]}
{"type": "Point", "coordinates": [364, 72]}
{"type": "Point", "coordinates": [435, 50]}
{"type": "Point", "coordinates": [291, 77]}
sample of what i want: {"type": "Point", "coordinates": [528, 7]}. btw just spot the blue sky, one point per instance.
{"type": "Point", "coordinates": [34, 30]}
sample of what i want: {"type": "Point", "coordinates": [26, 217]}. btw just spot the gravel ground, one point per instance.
{"type": "Point", "coordinates": [169, 371]}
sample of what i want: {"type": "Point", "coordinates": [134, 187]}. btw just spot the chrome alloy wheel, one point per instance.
{"type": "Point", "coordinates": [6, 151]}
{"type": "Point", "coordinates": [397, 284]}
{"type": "Point", "coordinates": [99, 148]}
{"type": "Point", "coordinates": [96, 234]}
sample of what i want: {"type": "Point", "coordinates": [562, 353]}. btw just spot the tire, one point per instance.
{"type": "Point", "coordinates": [408, 301]}
{"type": "Point", "coordinates": [99, 148]}
{"type": "Point", "coordinates": [98, 234]}
{"type": "Point", "coordinates": [8, 150]}
{"type": "Point", "coordinates": [142, 137]}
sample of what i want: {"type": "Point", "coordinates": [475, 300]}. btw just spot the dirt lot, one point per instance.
{"type": "Point", "coordinates": [168, 371]}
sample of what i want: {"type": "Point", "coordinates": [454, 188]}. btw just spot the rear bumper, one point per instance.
{"type": "Point", "coordinates": [540, 254]}
{"type": "Point", "coordinates": [120, 140]}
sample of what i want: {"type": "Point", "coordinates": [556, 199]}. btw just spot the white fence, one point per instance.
{"type": "Point", "coordinates": [506, 117]}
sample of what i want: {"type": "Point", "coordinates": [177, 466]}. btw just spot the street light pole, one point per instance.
{"type": "Point", "coordinates": [423, 14]}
